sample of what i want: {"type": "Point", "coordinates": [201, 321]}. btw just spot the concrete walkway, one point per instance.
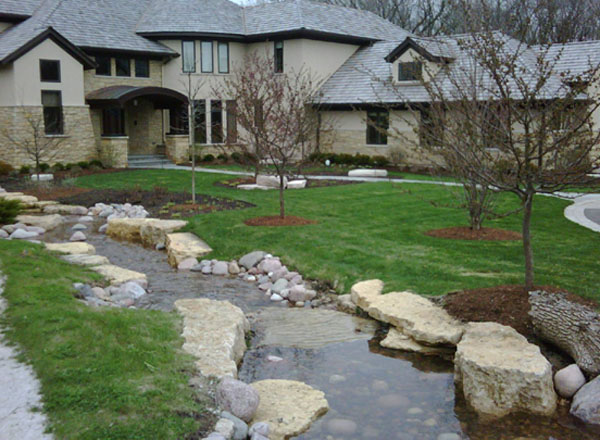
{"type": "Point", "coordinates": [20, 405]}
{"type": "Point", "coordinates": [585, 211]}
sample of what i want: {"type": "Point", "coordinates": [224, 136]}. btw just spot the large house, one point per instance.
{"type": "Point", "coordinates": [109, 77]}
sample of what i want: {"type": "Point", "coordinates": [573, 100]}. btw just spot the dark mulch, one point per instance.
{"type": "Point", "coordinates": [54, 192]}
{"type": "Point", "coordinates": [466, 233]}
{"type": "Point", "coordinates": [311, 183]}
{"type": "Point", "coordinates": [289, 220]}
{"type": "Point", "coordinates": [158, 202]}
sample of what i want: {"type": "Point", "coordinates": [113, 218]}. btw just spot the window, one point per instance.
{"type": "Point", "coordinates": [223, 52]}
{"type": "Point", "coordinates": [53, 114]}
{"type": "Point", "coordinates": [142, 68]}
{"type": "Point", "coordinates": [113, 122]}
{"type": "Point", "coordinates": [216, 122]}
{"type": "Point", "coordinates": [410, 71]}
{"type": "Point", "coordinates": [278, 54]}
{"type": "Point", "coordinates": [378, 121]}
{"type": "Point", "coordinates": [207, 56]}
{"type": "Point", "coordinates": [188, 49]}
{"type": "Point", "coordinates": [178, 120]}
{"type": "Point", "coordinates": [104, 67]}
{"type": "Point", "coordinates": [231, 107]}
{"type": "Point", "coordinates": [50, 70]}
{"type": "Point", "coordinates": [123, 66]}
{"type": "Point", "coordinates": [200, 121]}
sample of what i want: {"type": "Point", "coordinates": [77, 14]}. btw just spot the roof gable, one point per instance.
{"type": "Point", "coordinates": [441, 53]}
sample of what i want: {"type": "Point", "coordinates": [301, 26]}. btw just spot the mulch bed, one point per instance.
{"type": "Point", "coordinates": [159, 202]}
{"type": "Point", "coordinates": [311, 183]}
{"type": "Point", "coordinates": [466, 233]}
{"type": "Point", "coordinates": [289, 220]}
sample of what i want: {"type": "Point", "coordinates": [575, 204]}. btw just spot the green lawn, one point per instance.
{"type": "Point", "coordinates": [377, 231]}
{"type": "Point", "coordinates": [105, 373]}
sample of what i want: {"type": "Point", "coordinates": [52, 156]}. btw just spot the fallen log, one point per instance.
{"type": "Point", "coordinates": [572, 327]}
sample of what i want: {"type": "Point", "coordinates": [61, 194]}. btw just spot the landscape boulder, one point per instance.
{"type": "Point", "coordinates": [586, 402]}
{"type": "Point", "coordinates": [22, 234]}
{"type": "Point", "coordinates": [154, 231]}
{"type": "Point", "coordinates": [238, 398]}
{"type": "Point", "coordinates": [65, 209]}
{"type": "Point", "coordinates": [48, 222]}
{"type": "Point", "coordinates": [126, 229]}
{"type": "Point", "coordinates": [71, 248]}
{"type": "Point", "coordinates": [250, 260]}
{"type": "Point", "coordinates": [182, 245]}
{"type": "Point", "coordinates": [78, 236]}
{"type": "Point", "coordinates": [568, 380]}
{"type": "Point", "coordinates": [270, 181]}
{"type": "Point", "coordinates": [220, 268]}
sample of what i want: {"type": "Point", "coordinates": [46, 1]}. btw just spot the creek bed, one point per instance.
{"type": "Point", "coordinates": [374, 393]}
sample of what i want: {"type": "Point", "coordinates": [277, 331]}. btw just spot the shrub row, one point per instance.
{"type": "Point", "coordinates": [44, 167]}
{"type": "Point", "coordinates": [348, 159]}
{"type": "Point", "coordinates": [241, 158]}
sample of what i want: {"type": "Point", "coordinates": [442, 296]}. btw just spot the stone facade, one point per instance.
{"type": "Point", "coordinates": [77, 144]}
{"type": "Point", "coordinates": [113, 151]}
{"type": "Point", "coordinates": [95, 82]}
{"type": "Point", "coordinates": [177, 147]}
{"type": "Point", "coordinates": [144, 127]}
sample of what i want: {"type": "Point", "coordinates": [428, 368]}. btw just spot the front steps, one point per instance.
{"type": "Point", "coordinates": [148, 161]}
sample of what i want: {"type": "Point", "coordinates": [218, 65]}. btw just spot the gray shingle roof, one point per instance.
{"type": "Point", "coordinates": [572, 58]}
{"type": "Point", "coordinates": [18, 7]}
{"type": "Point", "coordinates": [366, 76]}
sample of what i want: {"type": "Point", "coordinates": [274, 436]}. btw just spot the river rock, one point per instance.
{"type": "Point", "coordinates": [78, 236]}
{"type": "Point", "coordinates": [66, 209]}
{"type": "Point", "coordinates": [276, 297]}
{"type": "Point", "coordinates": [48, 222]}
{"type": "Point", "coordinates": [250, 260]}
{"type": "Point", "coordinates": [240, 428]}
{"type": "Point", "coordinates": [297, 293]}
{"type": "Point", "coordinates": [214, 332]}
{"type": "Point", "coordinates": [79, 227]}
{"type": "Point", "coordinates": [187, 264]}
{"type": "Point", "coordinates": [238, 398]}
{"type": "Point", "coordinates": [71, 248]}
{"type": "Point", "coordinates": [233, 268]}
{"type": "Point", "coordinates": [415, 315]}
{"type": "Point", "coordinates": [118, 275]}
{"type": "Point", "coordinates": [85, 259]}
{"type": "Point", "coordinates": [182, 245]}
{"type": "Point", "coordinates": [289, 407]}
{"type": "Point", "coordinates": [568, 380]}
{"type": "Point", "coordinates": [215, 436]}
{"type": "Point", "coordinates": [397, 340]}
{"type": "Point", "coordinates": [22, 234]}
{"type": "Point", "coordinates": [270, 265]}
{"type": "Point", "coordinates": [260, 428]}
{"type": "Point", "coordinates": [500, 372]}
{"type": "Point", "coordinates": [220, 268]}
{"type": "Point", "coordinates": [586, 402]}
{"type": "Point", "coordinates": [281, 273]}
{"type": "Point", "coordinates": [279, 285]}
{"type": "Point", "coordinates": [86, 219]}
{"type": "Point", "coordinates": [126, 229]}
{"type": "Point", "coordinates": [102, 229]}
{"type": "Point", "coordinates": [130, 288]}
{"type": "Point", "coordinates": [3, 234]}
{"type": "Point", "coordinates": [345, 304]}
{"type": "Point", "coordinates": [154, 231]}
{"type": "Point", "coordinates": [225, 427]}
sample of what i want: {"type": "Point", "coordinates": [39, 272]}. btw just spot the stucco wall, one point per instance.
{"type": "Point", "coordinates": [94, 82]}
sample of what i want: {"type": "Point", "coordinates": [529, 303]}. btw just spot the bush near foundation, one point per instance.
{"type": "Point", "coordinates": [349, 159]}
{"type": "Point", "coordinates": [5, 168]}
{"type": "Point", "coordinates": [9, 210]}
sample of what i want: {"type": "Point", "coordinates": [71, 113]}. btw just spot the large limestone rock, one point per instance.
{"type": "Point", "coordinates": [48, 222]}
{"type": "Point", "coordinates": [500, 372]}
{"type": "Point", "coordinates": [72, 248]}
{"type": "Point", "coordinates": [214, 332]}
{"type": "Point", "coordinates": [118, 275]}
{"type": "Point", "coordinates": [586, 403]}
{"type": "Point", "coordinates": [415, 315]}
{"type": "Point", "coordinates": [126, 229]}
{"type": "Point", "coordinates": [65, 209]}
{"type": "Point", "coordinates": [26, 201]}
{"type": "Point", "coordinates": [270, 181]}
{"type": "Point", "coordinates": [397, 340]}
{"type": "Point", "coordinates": [184, 245]}
{"type": "Point", "coordinates": [86, 259]}
{"type": "Point", "coordinates": [367, 172]}
{"type": "Point", "coordinates": [289, 407]}
{"type": "Point", "coordinates": [155, 231]}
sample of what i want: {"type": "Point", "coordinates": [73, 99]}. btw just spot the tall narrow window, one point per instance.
{"type": "Point", "coordinates": [53, 112]}
{"type": "Point", "coordinates": [178, 120]}
{"type": "Point", "coordinates": [50, 70]}
{"type": "Point", "coordinates": [104, 67]}
{"type": "Point", "coordinates": [200, 121]}
{"type": "Point", "coordinates": [188, 49]}
{"type": "Point", "coordinates": [123, 65]}
{"type": "Point", "coordinates": [278, 54]}
{"type": "Point", "coordinates": [142, 68]}
{"type": "Point", "coordinates": [231, 108]}
{"type": "Point", "coordinates": [207, 56]}
{"type": "Point", "coordinates": [223, 51]}
{"type": "Point", "coordinates": [410, 71]}
{"type": "Point", "coordinates": [113, 122]}
{"type": "Point", "coordinates": [216, 122]}
{"type": "Point", "coordinates": [378, 121]}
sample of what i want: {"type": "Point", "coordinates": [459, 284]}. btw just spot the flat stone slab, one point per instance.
{"type": "Point", "coordinates": [396, 340]}
{"type": "Point", "coordinates": [48, 222]}
{"type": "Point", "coordinates": [26, 201]}
{"type": "Point", "coordinates": [500, 372]}
{"type": "Point", "coordinates": [312, 328]}
{"type": "Point", "coordinates": [270, 181]}
{"type": "Point", "coordinates": [154, 231]}
{"type": "Point", "coordinates": [253, 186]}
{"type": "Point", "coordinates": [297, 184]}
{"type": "Point", "coordinates": [183, 245]}
{"type": "Point", "coordinates": [71, 248]}
{"type": "Point", "coordinates": [118, 275]}
{"type": "Point", "coordinates": [365, 172]}
{"type": "Point", "coordinates": [413, 314]}
{"type": "Point", "coordinates": [289, 407]}
{"type": "Point", "coordinates": [214, 332]}
{"type": "Point", "coordinates": [42, 177]}
{"type": "Point", "coordinates": [86, 259]}
{"type": "Point", "coordinates": [65, 209]}
{"type": "Point", "coordinates": [126, 229]}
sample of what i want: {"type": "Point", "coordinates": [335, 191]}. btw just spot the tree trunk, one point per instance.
{"type": "Point", "coordinates": [527, 249]}
{"type": "Point", "coordinates": [572, 327]}
{"type": "Point", "coordinates": [281, 199]}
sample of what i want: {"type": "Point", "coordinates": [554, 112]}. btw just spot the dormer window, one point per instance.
{"type": "Point", "coordinates": [411, 71]}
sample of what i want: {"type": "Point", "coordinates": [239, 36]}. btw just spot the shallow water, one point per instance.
{"type": "Point", "coordinates": [386, 394]}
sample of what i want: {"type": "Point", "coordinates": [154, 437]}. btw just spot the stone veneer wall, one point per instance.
{"type": "Point", "coordinates": [95, 82]}
{"type": "Point", "coordinates": [114, 151]}
{"type": "Point", "coordinates": [177, 147]}
{"type": "Point", "coordinates": [77, 144]}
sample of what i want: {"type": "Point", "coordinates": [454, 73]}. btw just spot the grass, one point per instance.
{"type": "Point", "coordinates": [377, 231]}
{"type": "Point", "coordinates": [105, 373]}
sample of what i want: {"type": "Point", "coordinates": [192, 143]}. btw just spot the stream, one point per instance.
{"type": "Point", "coordinates": [373, 393]}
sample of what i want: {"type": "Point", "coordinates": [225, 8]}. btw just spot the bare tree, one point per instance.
{"type": "Point", "coordinates": [34, 142]}
{"type": "Point", "coordinates": [277, 123]}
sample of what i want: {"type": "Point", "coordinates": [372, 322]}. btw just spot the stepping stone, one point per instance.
{"type": "Point", "coordinates": [26, 201]}
{"type": "Point", "coordinates": [65, 209]}
{"type": "Point", "coordinates": [184, 245]}
{"type": "Point", "coordinates": [154, 231]}
{"type": "Point", "coordinates": [126, 229]}
{"type": "Point", "coordinates": [367, 173]}
{"type": "Point", "coordinates": [48, 222]}
{"type": "Point", "coordinates": [289, 407]}
{"type": "Point", "coordinates": [86, 259]}
{"type": "Point", "coordinates": [71, 248]}
{"type": "Point", "coordinates": [118, 275]}
{"type": "Point", "coordinates": [214, 332]}
{"type": "Point", "coordinates": [397, 340]}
